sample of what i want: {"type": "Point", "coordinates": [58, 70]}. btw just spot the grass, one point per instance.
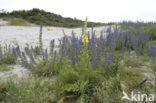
{"type": "Point", "coordinates": [17, 21]}
{"type": "Point", "coordinates": [5, 67]}
{"type": "Point", "coordinates": [7, 58]}
{"type": "Point", "coordinates": [38, 90]}
{"type": "Point", "coordinates": [79, 88]}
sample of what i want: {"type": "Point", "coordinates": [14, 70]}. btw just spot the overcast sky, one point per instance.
{"type": "Point", "coordinates": [95, 10]}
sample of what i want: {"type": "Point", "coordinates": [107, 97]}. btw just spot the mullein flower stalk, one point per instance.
{"type": "Point", "coordinates": [84, 36]}
{"type": "Point", "coordinates": [85, 58]}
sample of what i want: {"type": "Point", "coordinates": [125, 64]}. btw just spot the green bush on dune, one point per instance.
{"type": "Point", "coordinates": [50, 19]}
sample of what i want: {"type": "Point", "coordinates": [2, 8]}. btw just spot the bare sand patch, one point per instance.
{"type": "Point", "coordinates": [29, 35]}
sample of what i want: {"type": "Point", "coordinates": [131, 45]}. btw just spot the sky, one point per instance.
{"type": "Point", "coordinates": [96, 10]}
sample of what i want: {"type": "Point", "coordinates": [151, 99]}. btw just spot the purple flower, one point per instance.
{"type": "Point", "coordinates": [54, 59]}
{"type": "Point", "coordinates": [31, 57]}
{"type": "Point", "coordinates": [27, 50]}
{"type": "Point", "coordinates": [46, 54]}
{"type": "Point", "coordinates": [151, 50]}
{"type": "Point", "coordinates": [52, 44]}
{"type": "Point", "coordinates": [108, 59]}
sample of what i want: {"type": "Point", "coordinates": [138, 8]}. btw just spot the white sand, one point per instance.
{"type": "Point", "coordinates": [17, 71]}
{"type": "Point", "coordinates": [29, 34]}
{"type": "Point", "coordinates": [3, 22]}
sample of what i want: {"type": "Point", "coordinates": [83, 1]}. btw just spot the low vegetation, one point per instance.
{"type": "Point", "coordinates": [17, 21]}
{"type": "Point", "coordinates": [37, 90]}
{"type": "Point", "coordinates": [36, 16]}
{"type": "Point", "coordinates": [88, 69]}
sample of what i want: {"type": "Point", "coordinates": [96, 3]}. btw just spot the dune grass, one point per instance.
{"type": "Point", "coordinates": [17, 21]}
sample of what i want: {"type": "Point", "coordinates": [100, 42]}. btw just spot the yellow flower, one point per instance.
{"type": "Point", "coordinates": [84, 39]}
{"type": "Point", "coordinates": [84, 36]}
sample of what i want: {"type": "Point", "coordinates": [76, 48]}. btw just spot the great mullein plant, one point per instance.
{"type": "Point", "coordinates": [85, 59]}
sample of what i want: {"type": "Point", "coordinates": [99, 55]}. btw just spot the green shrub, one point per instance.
{"type": "Point", "coordinates": [7, 58]}
{"type": "Point", "coordinates": [44, 68]}
{"type": "Point", "coordinates": [152, 32]}
{"type": "Point", "coordinates": [80, 81]}
{"type": "Point", "coordinates": [4, 87]}
{"type": "Point", "coordinates": [50, 19]}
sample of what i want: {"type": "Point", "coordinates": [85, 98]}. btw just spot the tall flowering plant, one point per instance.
{"type": "Point", "coordinates": [85, 56]}
{"type": "Point", "coordinates": [84, 36]}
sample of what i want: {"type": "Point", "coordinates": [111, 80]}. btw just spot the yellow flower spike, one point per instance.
{"type": "Point", "coordinates": [84, 36]}
{"type": "Point", "coordinates": [85, 29]}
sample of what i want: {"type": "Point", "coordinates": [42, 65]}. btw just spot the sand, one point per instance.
{"type": "Point", "coordinates": [17, 71]}
{"type": "Point", "coordinates": [29, 35]}
{"type": "Point", "coordinates": [3, 22]}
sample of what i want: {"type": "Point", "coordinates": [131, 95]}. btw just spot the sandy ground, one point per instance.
{"type": "Point", "coordinates": [24, 35]}
{"type": "Point", "coordinates": [17, 71]}
{"type": "Point", "coordinates": [2, 22]}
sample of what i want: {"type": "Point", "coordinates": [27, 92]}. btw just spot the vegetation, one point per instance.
{"type": "Point", "coordinates": [17, 21]}
{"type": "Point", "coordinates": [150, 26]}
{"type": "Point", "coordinates": [6, 58]}
{"type": "Point", "coordinates": [36, 90]}
{"type": "Point", "coordinates": [50, 19]}
{"type": "Point", "coordinates": [88, 69]}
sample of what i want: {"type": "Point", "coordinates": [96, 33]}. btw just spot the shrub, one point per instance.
{"type": "Point", "coordinates": [152, 32]}
{"type": "Point", "coordinates": [50, 19]}
{"type": "Point", "coordinates": [44, 68]}
{"type": "Point", "coordinates": [7, 58]}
